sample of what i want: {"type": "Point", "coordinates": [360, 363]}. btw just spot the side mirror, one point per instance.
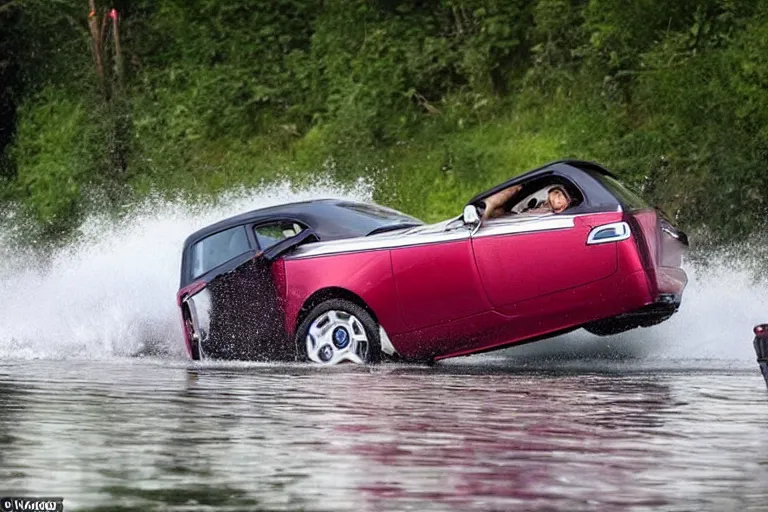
{"type": "Point", "coordinates": [470, 215]}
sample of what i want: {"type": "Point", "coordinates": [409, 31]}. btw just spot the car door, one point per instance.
{"type": "Point", "coordinates": [522, 257]}
{"type": "Point", "coordinates": [234, 311]}
{"type": "Point", "coordinates": [436, 278]}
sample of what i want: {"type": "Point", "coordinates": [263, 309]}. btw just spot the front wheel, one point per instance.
{"type": "Point", "coordinates": [338, 330]}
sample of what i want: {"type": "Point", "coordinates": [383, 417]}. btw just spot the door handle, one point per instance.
{"type": "Point", "coordinates": [615, 232]}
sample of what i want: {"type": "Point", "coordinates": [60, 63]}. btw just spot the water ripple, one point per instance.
{"type": "Point", "coordinates": [153, 435]}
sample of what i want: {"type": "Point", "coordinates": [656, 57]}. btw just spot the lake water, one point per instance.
{"type": "Point", "coordinates": [485, 433]}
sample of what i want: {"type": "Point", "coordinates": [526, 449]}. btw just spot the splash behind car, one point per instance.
{"type": "Point", "coordinates": [329, 281]}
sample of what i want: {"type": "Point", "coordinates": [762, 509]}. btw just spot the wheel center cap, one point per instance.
{"type": "Point", "coordinates": [340, 337]}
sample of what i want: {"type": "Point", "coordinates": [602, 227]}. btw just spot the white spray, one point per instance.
{"type": "Point", "coordinates": [114, 293]}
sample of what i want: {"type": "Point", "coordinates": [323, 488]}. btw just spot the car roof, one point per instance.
{"type": "Point", "coordinates": [329, 219]}
{"type": "Point", "coordinates": [320, 215]}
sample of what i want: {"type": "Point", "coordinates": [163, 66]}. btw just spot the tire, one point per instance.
{"type": "Point", "coordinates": [336, 331]}
{"type": "Point", "coordinates": [195, 351]}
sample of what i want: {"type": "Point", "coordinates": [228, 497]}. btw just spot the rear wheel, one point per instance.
{"type": "Point", "coordinates": [336, 331]}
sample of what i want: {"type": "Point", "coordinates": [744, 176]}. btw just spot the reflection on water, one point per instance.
{"type": "Point", "coordinates": [154, 435]}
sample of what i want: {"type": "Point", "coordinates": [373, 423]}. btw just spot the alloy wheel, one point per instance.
{"type": "Point", "coordinates": [337, 336]}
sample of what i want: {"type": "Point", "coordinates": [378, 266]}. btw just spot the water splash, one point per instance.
{"type": "Point", "coordinates": [113, 294]}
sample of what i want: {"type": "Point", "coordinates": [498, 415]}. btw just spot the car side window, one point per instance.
{"type": "Point", "coordinates": [538, 196]}
{"type": "Point", "coordinates": [217, 249]}
{"type": "Point", "coordinates": [274, 232]}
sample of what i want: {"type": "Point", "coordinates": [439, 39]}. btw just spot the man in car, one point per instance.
{"type": "Point", "coordinates": [557, 201]}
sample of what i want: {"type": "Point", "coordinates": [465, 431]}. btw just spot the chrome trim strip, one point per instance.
{"type": "Point", "coordinates": [620, 232]}
{"type": "Point", "coordinates": [517, 225]}
{"type": "Point", "coordinates": [425, 235]}
{"type": "Point", "coordinates": [375, 243]}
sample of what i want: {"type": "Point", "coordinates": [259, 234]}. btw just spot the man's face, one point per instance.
{"type": "Point", "coordinates": [558, 201]}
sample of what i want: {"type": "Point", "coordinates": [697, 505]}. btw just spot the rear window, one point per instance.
{"type": "Point", "coordinates": [217, 249]}
{"type": "Point", "coordinates": [625, 194]}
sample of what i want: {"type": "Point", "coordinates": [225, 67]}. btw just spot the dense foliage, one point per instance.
{"type": "Point", "coordinates": [430, 101]}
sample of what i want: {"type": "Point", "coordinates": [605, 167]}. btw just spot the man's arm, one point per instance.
{"type": "Point", "coordinates": [494, 205]}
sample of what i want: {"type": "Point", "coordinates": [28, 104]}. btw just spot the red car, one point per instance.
{"type": "Point", "coordinates": [330, 280]}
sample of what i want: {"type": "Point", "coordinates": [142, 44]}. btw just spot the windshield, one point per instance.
{"type": "Point", "coordinates": [364, 219]}
{"type": "Point", "coordinates": [378, 213]}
